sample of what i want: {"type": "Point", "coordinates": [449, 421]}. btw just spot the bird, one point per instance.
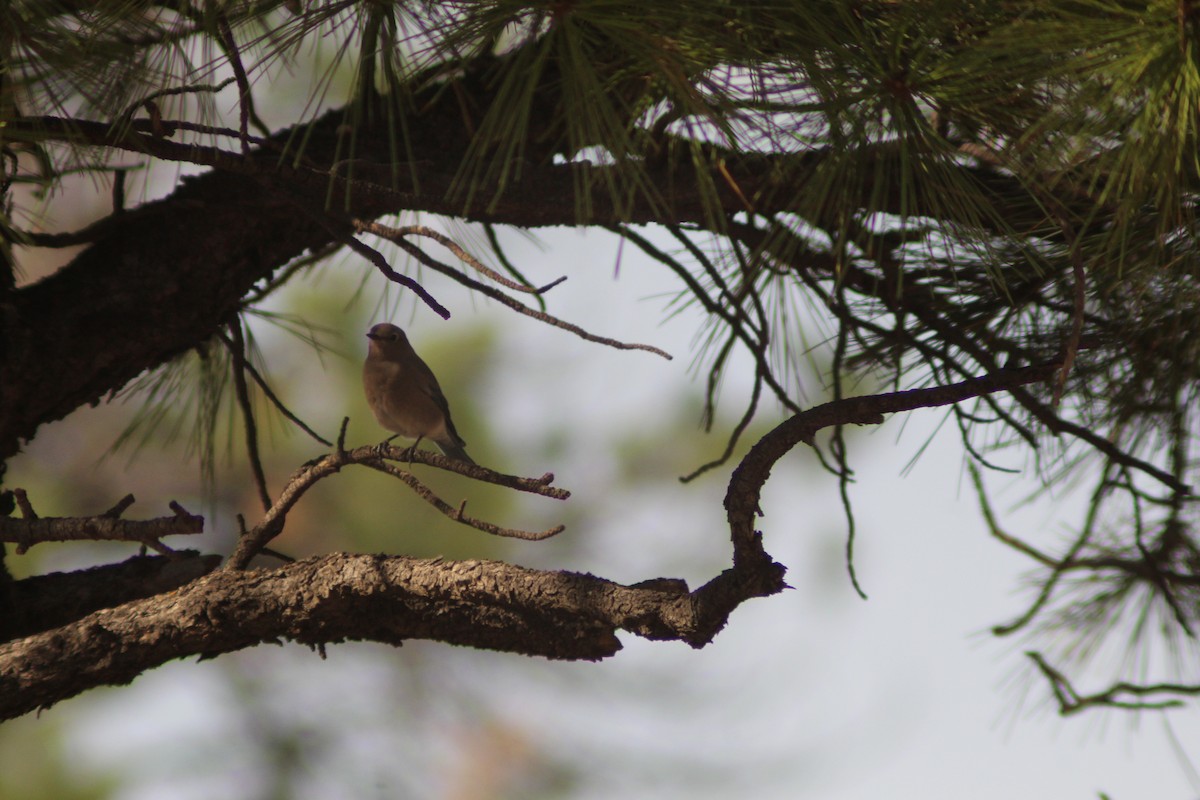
{"type": "Point", "coordinates": [404, 395]}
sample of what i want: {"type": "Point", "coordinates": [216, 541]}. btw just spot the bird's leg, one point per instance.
{"type": "Point", "coordinates": [379, 447]}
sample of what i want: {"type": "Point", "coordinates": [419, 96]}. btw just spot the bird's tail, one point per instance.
{"type": "Point", "coordinates": [455, 451]}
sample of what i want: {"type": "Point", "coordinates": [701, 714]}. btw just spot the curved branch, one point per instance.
{"type": "Point", "coordinates": [745, 487]}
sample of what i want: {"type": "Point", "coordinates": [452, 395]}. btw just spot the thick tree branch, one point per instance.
{"type": "Point", "coordinates": [45, 602]}
{"type": "Point", "coordinates": [167, 275]}
{"type": "Point", "coordinates": [483, 604]}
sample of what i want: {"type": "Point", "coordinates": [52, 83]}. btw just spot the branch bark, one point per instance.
{"type": "Point", "coordinates": [26, 532]}
{"type": "Point", "coordinates": [45, 602]}
{"type": "Point", "coordinates": [166, 276]}
{"type": "Point", "coordinates": [484, 604]}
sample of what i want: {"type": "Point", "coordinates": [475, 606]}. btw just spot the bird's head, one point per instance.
{"type": "Point", "coordinates": [387, 339]}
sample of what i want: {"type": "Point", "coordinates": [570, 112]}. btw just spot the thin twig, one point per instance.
{"type": "Point", "coordinates": [376, 258]}
{"type": "Point", "coordinates": [29, 530]}
{"type": "Point", "coordinates": [229, 44]}
{"type": "Point", "coordinates": [396, 234]}
{"type": "Point", "coordinates": [734, 437]}
{"type": "Point", "coordinates": [237, 349]}
{"type": "Point", "coordinates": [994, 528]}
{"type": "Point", "coordinates": [489, 230]}
{"type": "Point", "coordinates": [456, 514]}
{"type": "Point", "coordinates": [838, 449]}
{"type": "Point", "coordinates": [282, 277]}
{"type": "Point", "coordinates": [252, 541]}
{"type": "Point", "coordinates": [1059, 566]}
{"type": "Point", "coordinates": [423, 257]}
{"type": "Point", "coordinates": [270, 394]}
{"type": "Point", "coordinates": [1070, 701]}
{"type": "Point", "coordinates": [320, 217]}
{"type": "Point", "coordinates": [23, 503]}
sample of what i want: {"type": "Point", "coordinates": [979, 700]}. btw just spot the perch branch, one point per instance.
{"type": "Point", "coordinates": [456, 513]}
{"type": "Point", "coordinates": [483, 604]}
{"type": "Point", "coordinates": [253, 540]}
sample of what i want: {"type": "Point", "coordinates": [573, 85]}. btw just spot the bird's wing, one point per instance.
{"type": "Point", "coordinates": [428, 385]}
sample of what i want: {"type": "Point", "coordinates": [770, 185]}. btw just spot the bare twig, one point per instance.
{"type": "Point", "coordinates": [252, 541]}
{"type": "Point", "coordinates": [1058, 567]}
{"type": "Point", "coordinates": [253, 372]}
{"type": "Point", "coordinates": [456, 514]}
{"type": "Point", "coordinates": [229, 45]}
{"type": "Point", "coordinates": [171, 91]}
{"type": "Point", "coordinates": [755, 346]}
{"type": "Point", "coordinates": [1070, 701]}
{"type": "Point", "coordinates": [734, 437]}
{"type": "Point", "coordinates": [496, 294]}
{"type": "Point", "coordinates": [489, 231]}
{"type": "Point", "coordinates": [376, 258]}
{"type": "Point", "coordinates": [30, 529]}
{"type": "Point", "coordinates": [840, 454]}
{"type": "Point", "coordinates": [282, 277]}
{"type": "Point", "coordinates": [23, 503]}
{"type": "Point", "coordinates": [995, 529]}
{"type": "Point", "coordinates": [125, 502]}
{"type": "Point", "coordinates": [237, 349]}
{"type": "Point", "coordinates": [396, 234]}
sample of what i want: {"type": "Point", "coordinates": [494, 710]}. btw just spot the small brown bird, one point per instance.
{"type": "Point", "coordinates": [404, 395]}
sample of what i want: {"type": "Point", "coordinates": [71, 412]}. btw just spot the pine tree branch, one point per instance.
{"type": "Point", "coordinates": [484, 604]}
{"type": "Point", "coordinates": [164, 276]}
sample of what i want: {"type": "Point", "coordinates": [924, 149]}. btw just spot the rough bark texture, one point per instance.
{"type": "Point", "coordinates": [484, 604]}
{"type": "Point", "coordinates": [45, 602]}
